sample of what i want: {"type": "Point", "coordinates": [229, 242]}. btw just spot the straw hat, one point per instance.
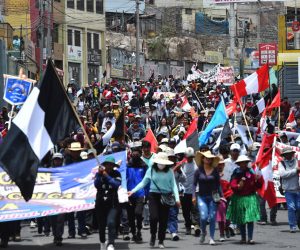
{"type": "Point", "coordinates": [76, 146]}
{"type": "Point", "coordinates": [162, 158]}
{"type": "Point", "coordinates": [242, 158]}
{"type": "Point", "coordinates": [207, 154]}
{"type": "Point", "coordinates": [287, 150]}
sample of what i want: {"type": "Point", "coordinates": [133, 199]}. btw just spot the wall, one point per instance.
{"type": "Point", "coordinates": [177, 3]}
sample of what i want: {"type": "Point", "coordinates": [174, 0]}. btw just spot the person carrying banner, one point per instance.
{"type": "Point", "coordinates": [135, 172]}
{"type": "Point", "coordinates": [107, 183]}
{"type": "Point", "coordinates": [289, 172]}
{"type": "Point", "coordinates": [57, 221]}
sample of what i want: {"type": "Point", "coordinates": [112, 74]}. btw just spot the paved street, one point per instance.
{"type": "Point", "coordinates": [267, 237]}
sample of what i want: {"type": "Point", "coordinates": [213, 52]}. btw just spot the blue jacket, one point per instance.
{"type": "Point", "coordinates": [135, 175]}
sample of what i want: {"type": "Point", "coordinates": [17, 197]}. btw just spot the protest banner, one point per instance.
{"type": "Point", "coordinates": [57, 190]}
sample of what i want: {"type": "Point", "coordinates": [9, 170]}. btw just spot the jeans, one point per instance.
{"type": "Point", "coordinates": [158, 216]}
{"type": "Point", "coordinates": [293, 205]}
{"type": "Point", "coordinates": [124, 218]}
{"type": "Point", "coordinates": [106, 216]}
{"type": "Point", "coordinates": [250, 228]}
{"type": "Point", "coordinates": [135, 214]}
{"type": "Point", "coordinates": [187, 205]}
{"type": "Point", "coordinates": [173, 219]}
{"type": "Point", "coordinates": [263, 211]}
{"type": "Point", "coordinates": [207, 210]}
{"type": "Point", "coordinates": [146, 214]}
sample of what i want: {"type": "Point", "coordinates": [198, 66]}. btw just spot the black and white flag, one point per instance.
{"type": "Point", "coordinates": [45, 118]}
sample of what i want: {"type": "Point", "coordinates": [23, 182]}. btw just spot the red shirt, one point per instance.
{"type": "Point", "coordinates": [250, 184]}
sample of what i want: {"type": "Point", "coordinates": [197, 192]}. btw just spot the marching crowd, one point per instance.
{"type": "Point", "coordinates": [209, 186]}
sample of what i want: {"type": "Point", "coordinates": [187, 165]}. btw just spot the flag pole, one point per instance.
{"type": "Point", "coordinates": [199, 100]}
{"type": "Point", "coordinates": [247, 124]}
{"type": "Point", "coordinates": [76, 115]}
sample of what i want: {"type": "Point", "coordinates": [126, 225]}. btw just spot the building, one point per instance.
{"type": "Point", "coordinates": [83, 39]}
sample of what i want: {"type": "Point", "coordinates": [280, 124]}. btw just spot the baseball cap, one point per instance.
{"type": "Point", "coordinates": [57, 156]}
{"type": "Point", "coordinates": [235, 146]}
{"type": "Point", "coordinates": [189, 152]}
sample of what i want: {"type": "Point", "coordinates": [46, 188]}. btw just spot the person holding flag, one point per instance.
{"type": "Point", "coordinates": [244, 207]}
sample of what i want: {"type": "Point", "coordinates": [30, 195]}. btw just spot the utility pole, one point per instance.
{"type": "Point", "coordinates": [137, 53]}
{"type": "Point", "coordinates": [42, 8]}
{"type": "Point", "coordinates": [232, 31]}
{"type": "Point", "coordinates": [49, 40]}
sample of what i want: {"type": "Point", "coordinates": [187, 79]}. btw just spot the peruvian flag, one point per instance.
{"type": "Point", "coordinates": [185, 106]}
{"type": "Point", "coordinates": [231, 108]}
{"type": "Point", "coordinates": [262, 125]}
{"type": "Point", "coordinates": [150, 137]}
{"type": "Point", "coordinates": [264, 162]}
{"type": "Point", "coordinates": [255, 83]}
{"type": "Point", "coordinates": [291, 119]}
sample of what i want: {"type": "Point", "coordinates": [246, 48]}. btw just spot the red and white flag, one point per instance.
{"type": "Point", "coordinates": [264, 162]}
{"type": "Point", "coordinates": [291, 119]}
{"type": "Point", "coordinates": [255, 83]}
{"type": "Point", "coordinates": [231, 108]}
{"type": "Point", "coordinates": [185, 106]}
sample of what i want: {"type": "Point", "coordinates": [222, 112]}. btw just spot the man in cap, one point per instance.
{"type": "Point", "coordinates": [135, 172]}
{"type": "Point", "coordinates": [135, 131]}
{"type": "Point", "coordinates": [73, 156]}
{"type": "Point", "coordinates": [289, 173]}
{"type": "Point", "coordinates": [230, 165]}
{"type": "Point", "coordinates": [107, 183]}
{"type": "Point", "coordinates": [57, 221]}
{"type": "Point", "coordinates": [189, 168]}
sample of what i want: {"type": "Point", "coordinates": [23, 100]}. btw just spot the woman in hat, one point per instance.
{"type": "Point", "coordinates": [107, 182]}
{"type": "Point", "coordinates": [289, 172]}
{"type": "Point", "coordinates": [207, 182]}
{"type": "Point", "coordinates": [244, 206]}
{"type": "Point", "coordinates": [162, 182]}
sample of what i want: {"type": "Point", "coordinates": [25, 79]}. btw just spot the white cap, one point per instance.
{"type": "Point", "coordinates": [189, 152]}
{"type": "Point", "coordinates": [235, 146]}
{"type": "Point", "coordinates": [57, 155]}
{"type": "Point", "coordinates": [84, 155]}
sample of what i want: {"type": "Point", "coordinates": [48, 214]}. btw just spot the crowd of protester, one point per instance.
{"type": "Point", "coordinates": [209, 187]}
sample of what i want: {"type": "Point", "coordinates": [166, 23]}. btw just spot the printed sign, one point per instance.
{"type": "Point", "coordinates": [267, 54]}
{"type": "Point", "coordinates": [57, 190]}
{"type": "Point", "coordinates": [225, 75]}
{"type": "Point", "coordinates": [16, 90]}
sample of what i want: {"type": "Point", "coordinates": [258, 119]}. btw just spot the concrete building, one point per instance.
{"type": "Point", "coordinates": [83, 39]}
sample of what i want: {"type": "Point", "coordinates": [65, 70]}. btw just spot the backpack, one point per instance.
{"type": "Point", "coordinates": [280, 188]}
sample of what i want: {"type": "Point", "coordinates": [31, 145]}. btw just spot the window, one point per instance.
{"type": "Point", "coordinates": [77, 38]}
{"type": "Point", "coordinates": [89, 40]}
{"type": "Point", "coordinates": [96, 41]}
{"type": "Point", "coordinates": [188, 11]}
{"type": "Point", "coordinates": [90, 5]}
{"type": "Point", "coordinates": [151, 1]}
{"type": "Point", "coordinates": [70, 37]}
{"type": "Point", "coordinates": [99, 6]}
{"type": "Point", "coordinates": [70, 4]}
{"type": "Point", "coordinates": [80, 4]}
